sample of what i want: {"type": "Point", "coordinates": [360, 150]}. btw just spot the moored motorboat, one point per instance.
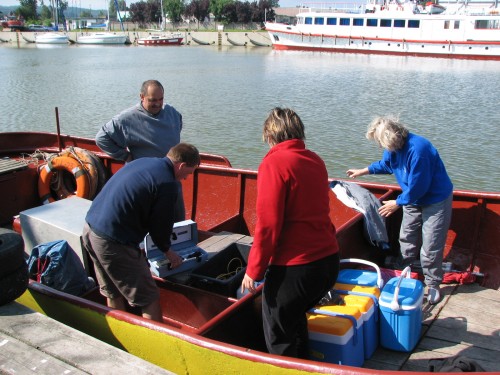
{"type": "Point", "coordinates": [51, 38]}
{"type": "Point", "coordinates": [164, 39]}
{"type": "Point", "coordinates": [102, 38]}
{"type": "Point", "coordinates": [211, 333]}
{"type": "Point", "coordinates": [395, 28]}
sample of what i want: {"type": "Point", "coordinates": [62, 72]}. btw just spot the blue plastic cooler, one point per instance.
{"type": "Point", "coordinates": [401, 312]}
{"type": "Point", "coordinates": [360, 277]}
{"type": "Point", "coordinates": [336, 335]}
{"type": "Point", "coordinates": [363, 284]}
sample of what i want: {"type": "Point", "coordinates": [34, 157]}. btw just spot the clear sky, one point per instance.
{"type": "Point", "coordinates": [101, 4]}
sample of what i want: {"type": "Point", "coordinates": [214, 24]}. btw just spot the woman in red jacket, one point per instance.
{"type": "Point", "coordinates": [295, 245]}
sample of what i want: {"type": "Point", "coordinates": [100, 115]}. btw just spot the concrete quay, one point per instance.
{"type": "Point", "coordinates": [32, 343]}
{"type": "Point", "coordinates": [191, 38]}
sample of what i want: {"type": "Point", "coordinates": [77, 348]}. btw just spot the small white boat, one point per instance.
{"type": "Point", "coordinates": [51, 38]}
{"type": "Point", "coordinates": [102, 38]}
{"type": "Point", "coordinates": [432, 8]}
{"type": "Point", "coordinates": [161, 40]}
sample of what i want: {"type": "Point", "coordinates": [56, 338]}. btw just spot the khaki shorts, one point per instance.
{"type": "Point", "coordinates": [121, 270]}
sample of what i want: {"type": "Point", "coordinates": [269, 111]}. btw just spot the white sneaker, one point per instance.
{"type": "Point", "coordinates": [434, 295]}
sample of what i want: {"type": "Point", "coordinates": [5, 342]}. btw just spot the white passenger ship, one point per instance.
{"type": "Point", "coordinates": [395, 28]}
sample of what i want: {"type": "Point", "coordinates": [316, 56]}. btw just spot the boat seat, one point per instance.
{"type": "Point", "coordinates": [11, 165]}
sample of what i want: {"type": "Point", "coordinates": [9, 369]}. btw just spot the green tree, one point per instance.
{"type": "Point", "coordinates": [138, 13]}
{"type": "Point", "coordinates": [244, 12]}
{"type": "Point", "coordinates": [28, 9]}
{"type": "Point", "coordinates": [198, 9]}
{"type": "Point", "coordinates": [174, 9]}
{"type": "Point", "coordinates": [265, 10]}
{"type": "Point", "coordinates": [142, 12]}
{"type": "Point", "coordinates": [45, 13]}
{"type": "Point", "coordinates": [229, 13]}
{"type": "Point", "coordinates": [217, 8]}
{"type": "Point", "coordinates": [112, 8]}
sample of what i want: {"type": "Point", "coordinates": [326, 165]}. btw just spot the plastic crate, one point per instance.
{"type": "Point", "coordinates": [223, 273]}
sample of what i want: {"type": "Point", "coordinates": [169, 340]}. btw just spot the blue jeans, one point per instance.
{"type": "Point", "coordinates": [423, 232]}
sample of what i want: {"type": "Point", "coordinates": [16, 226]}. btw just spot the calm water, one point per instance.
{"type": "Point", "coordinates": [225, 94]}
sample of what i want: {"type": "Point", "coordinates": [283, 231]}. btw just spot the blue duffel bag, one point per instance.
{"type": "Point", "coordinates": [56, 265]}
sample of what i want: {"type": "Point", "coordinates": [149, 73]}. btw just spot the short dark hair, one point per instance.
{"type": "Point", "coordinates": [151, 82]}
{"type": "Point", "coordinates": [185, 153]}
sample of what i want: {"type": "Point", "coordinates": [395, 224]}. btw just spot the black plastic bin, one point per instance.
{"type": "Point", "coordinates": [223, 273]}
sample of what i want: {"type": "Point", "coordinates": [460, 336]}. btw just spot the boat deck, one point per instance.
{"type": "Point", "coordinates": [465, 323]}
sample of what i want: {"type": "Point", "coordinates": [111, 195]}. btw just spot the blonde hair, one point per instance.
{"type": "Point", "coordinates": [281, 125]}
{"type": "Point", "coordinates": [388, 132]}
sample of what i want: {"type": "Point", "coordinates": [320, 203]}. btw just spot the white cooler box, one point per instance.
{"type": "Point", "coordinates": [184, 243]}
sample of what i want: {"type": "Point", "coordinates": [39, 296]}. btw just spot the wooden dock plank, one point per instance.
{"type": "Point", "coordinates": [466, 322]}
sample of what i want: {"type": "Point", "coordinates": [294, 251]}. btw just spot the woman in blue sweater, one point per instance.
{"type": "Point", "coordinates": [426, 196]}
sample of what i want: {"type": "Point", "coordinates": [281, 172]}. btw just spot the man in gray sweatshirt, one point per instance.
{"type": "Point", "coordinates": [148, 129]}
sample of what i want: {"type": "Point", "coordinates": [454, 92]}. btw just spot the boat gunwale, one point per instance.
{"type": "Point", "coordinates": [198, 340]}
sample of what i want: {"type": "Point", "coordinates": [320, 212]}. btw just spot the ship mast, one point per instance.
{"type": "Point", "coordinates": [162, 16]}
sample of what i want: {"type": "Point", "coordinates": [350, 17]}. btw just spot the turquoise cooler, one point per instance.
{"type": "Point", "coordinates": [401, 313]}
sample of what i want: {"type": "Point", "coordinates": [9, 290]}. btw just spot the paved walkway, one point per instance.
{"type": "Point", "coordinates": [31, 343]}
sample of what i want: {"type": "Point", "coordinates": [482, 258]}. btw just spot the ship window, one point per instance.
{"type": "Point", "coordinates": [399, 23]}
{"type": "Point", "coordinates": [371, 22]}
{"type": "Point", "coordinates": [331, 21]}
{"type": "Point", "coordinates": [457, 25]}
{"type": "Point", "coordinates": [446, 25]}
{"type": "Point", "coordinates": [487, 24]}
{"type": "Point", "coordinates": [319, 21]}
{"type": "Point", "coordinates": [385, 23]}
{"type": "Point", "coordinates": [481, 24]}
{"type": "Point", "coordinates": [345, 21]}
{"type": "Point", "coordinates": [413, 24]}
{"type": "Point", "coordinates": [357, 22]}
{"type": "Point", "coordinates": [308, 20]}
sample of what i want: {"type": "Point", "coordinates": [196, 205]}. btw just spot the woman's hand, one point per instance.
{"type": "Point", "coordinates": [388, 208]}
{"type": "Point", "coordinates": [248, 283]}
{"type": "Point", "coordinates": [353, 173]}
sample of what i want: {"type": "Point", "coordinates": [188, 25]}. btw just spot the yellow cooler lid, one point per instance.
{"type": "Point", "coordinates": [374, 290]}
{"type": "Point", "coordinates": [333, 325]}
{"type": "Point", "coordinates": [364, 304]}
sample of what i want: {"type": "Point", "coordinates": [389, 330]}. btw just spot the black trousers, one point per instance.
{"type": "Point", "coordinates": [289, 292]}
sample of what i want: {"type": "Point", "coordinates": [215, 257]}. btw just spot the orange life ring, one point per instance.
{"type": "Point", "coordinates": [63, 163]}
{"type": "Point", "coordinates": [63, 185]}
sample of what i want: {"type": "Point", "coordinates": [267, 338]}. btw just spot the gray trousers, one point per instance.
{"type": "Point", "coordinates": [423, 231]}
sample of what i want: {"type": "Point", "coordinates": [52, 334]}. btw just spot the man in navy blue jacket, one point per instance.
{"type": "Point", "coordinates": [137, 200]}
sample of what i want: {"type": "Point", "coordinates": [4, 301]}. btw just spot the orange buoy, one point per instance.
{"type": "Point", "coordinates": [63, 163]}
{"type": "Point", "coordinates": [64, 185]}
